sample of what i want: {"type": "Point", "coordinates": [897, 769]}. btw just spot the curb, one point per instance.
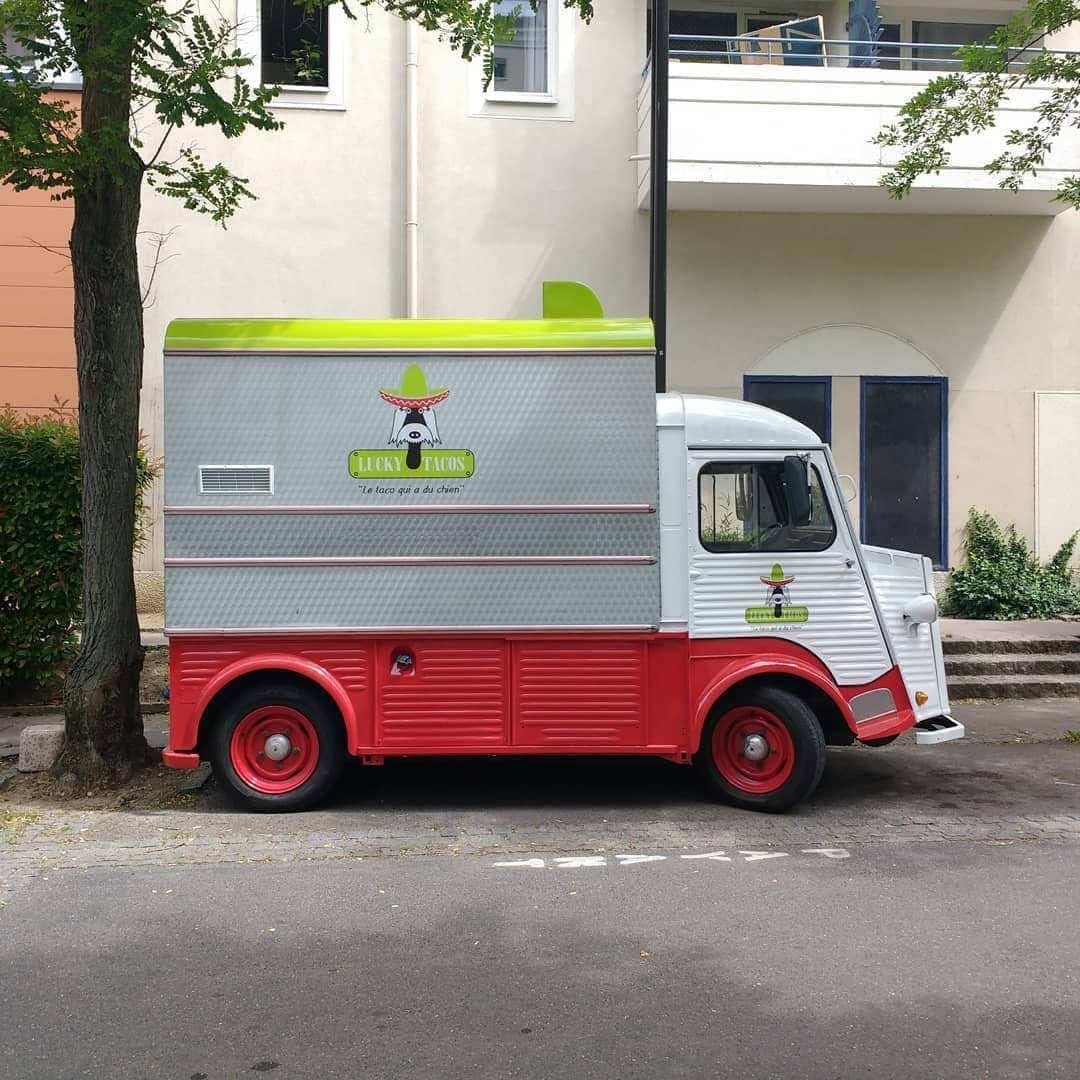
{"type": "Point", "coordinates": [14, 712]}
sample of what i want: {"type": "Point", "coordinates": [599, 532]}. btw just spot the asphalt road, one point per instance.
{"type": "Point", "coordinates": [921, 918]}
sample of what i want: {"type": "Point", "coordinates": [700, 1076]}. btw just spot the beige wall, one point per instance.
{"type": "Point", "coordinates": [990, 301]}
{"type": "Point", "coordinates": [511, 197]}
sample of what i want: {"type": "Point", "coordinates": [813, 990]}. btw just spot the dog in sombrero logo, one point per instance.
{"type": "Point", "coordinates": [415, 425]}
{"type": "Point", "coordinates": [777, 585]}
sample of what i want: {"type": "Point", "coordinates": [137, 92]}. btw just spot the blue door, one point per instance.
{"type": "Point", "coordinates": [904, 457]}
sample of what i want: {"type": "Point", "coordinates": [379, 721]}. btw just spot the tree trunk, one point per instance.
{"type": "Point", "coordinates": [104, 734]}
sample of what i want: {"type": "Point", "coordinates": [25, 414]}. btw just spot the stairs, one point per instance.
{"type": "Point", "coordinates": [986, 670]}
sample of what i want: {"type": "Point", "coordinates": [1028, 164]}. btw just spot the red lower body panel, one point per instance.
{"type": "Point", "coordinates": [525, 693]}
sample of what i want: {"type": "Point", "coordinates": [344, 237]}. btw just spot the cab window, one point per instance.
{"type": "Point", "coordinates": [743, 507]}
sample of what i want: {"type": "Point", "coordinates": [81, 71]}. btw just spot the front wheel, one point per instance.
{"type": "Point", "coordinates": [763, 750]}
{"type": "Point", "coordinates": [277, 746]}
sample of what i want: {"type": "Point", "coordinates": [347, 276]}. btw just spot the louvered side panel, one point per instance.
{"type": "Point", "coordinates": [351, 667]}
{"type": "Point", "coordinates": [193, 668]}
{"type": "Point", "coordinates": [589, 694]}
{"type": "Point", "coordinates": [897, 578]}
{"type": "Point", "coordinates": [456, 696]}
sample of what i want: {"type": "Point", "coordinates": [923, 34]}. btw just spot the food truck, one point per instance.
{"type": "Point", "coordinates": [449, 537]}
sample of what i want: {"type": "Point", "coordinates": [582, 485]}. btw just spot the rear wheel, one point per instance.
{"type": "Point", "coordinates": [764, 750]}
{"type": "Point", "coordinates": [277, 746]}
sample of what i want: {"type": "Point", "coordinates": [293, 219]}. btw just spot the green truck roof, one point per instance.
{"type": "Point", "coordinates": [412, 335]}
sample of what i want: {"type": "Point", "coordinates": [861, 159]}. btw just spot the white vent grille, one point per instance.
{"type": "Point", "coordinates": [236, 479]}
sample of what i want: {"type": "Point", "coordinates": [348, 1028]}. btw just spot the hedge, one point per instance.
{"type": "Point", "coordinates": [1002, 578]}
{"type": "Point", "coordinates": [40, 546]}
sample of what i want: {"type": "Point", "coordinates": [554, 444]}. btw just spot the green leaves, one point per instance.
{"type": "Point", "coordinates": [40, 551]}
{"type": "Point", "coordinates": [967, 102]}
{"type": "Point", "coordinates": [208, 189]}
{"type": "Point", "coordinates": [41, 544]}
{"type": "Point", "coordinates": [1002, 579]}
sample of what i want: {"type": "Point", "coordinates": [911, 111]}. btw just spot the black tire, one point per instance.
{"type": "Point", "coordinates": [323, 745]}
{"type": "Point", "coordinates": [801, 751]}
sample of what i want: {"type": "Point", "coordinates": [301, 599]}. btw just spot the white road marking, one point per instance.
{"type": "Point", "coordinates": [602, 862]}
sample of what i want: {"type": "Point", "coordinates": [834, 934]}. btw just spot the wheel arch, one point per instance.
{"type": "Point", "coordinates": [819, 692]}
{"type": "Point", "coordinates": [252, 671]}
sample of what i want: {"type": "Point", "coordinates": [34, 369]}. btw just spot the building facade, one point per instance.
{"type": "Point", "coordinates": [935, 342]}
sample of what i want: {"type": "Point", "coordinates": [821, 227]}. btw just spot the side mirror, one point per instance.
{"type": "Point", "coordinates": [849, 490]}
{"type": "Point", "coordinates": [797, 490]}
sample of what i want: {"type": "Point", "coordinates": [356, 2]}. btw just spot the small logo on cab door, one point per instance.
{"type": "Point", "coordinates": [778, 607]}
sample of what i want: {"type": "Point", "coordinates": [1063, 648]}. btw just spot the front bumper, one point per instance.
{"type": "Point", "coordinates": [939, 729]}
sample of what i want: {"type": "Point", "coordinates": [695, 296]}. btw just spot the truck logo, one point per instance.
{"type": "Point", "coordinates": [414, 437]}
{"type": "Point", "coordinates": [778, 607]}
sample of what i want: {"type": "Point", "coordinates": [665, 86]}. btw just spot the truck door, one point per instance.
{"type": "Point", "coordinates": [756, 575]}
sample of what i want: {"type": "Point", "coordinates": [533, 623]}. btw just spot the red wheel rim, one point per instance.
{"type": "Point", "coordinates": [274, 749]}
{"type": "Point", "coordinates": [750, 730]}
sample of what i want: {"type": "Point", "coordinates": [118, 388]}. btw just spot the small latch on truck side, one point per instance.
{"type": "Point", "coordinates": [402, 662]}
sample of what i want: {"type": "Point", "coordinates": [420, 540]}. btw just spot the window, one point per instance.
{"type": "Point", "coordinates": [295, 44]}
{"type": "Point", "coordinates": [702, 26]}
{"type": "Point", "coordinates": [14, 49]}
{"type": "Point", "coordinates": [888, 47]}
{"type": "Point", "coordinates": [806, 398]}
{"type": "Point", "coordinates": [760, 22]}
{"type": "Point", "coordinates": [524, 62]}
{"type": "Point", "coordinates": [742, 507]}
{"type": "Point", "coordinates": [18, 55]}
{"type": "Point", "coordinates": [300, 50]}
{"type": "Point", "coordinates": [945, 33]}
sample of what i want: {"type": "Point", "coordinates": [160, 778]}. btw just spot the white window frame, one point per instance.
{"type": "Point", "coordinates": [550, 96]}
{"type": "Point", "coordinates": [557, 103]}
{"type": "Point", "coordinates": [332, 96]}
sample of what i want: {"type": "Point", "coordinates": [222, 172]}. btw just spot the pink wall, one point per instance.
{"type": "Point", "coordinates": [37, 352]}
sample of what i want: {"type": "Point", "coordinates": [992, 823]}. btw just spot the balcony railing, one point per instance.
{"type": "Point", "coordinates": [831, 52]}
{"type": "Point", "coordinates": [771, 123]}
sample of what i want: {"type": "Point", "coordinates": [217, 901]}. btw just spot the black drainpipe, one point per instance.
{"type": "Point", "coordinates": [658, 177]}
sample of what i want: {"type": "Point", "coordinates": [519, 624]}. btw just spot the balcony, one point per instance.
{"type": "Point", "coordinates": [753, 130]}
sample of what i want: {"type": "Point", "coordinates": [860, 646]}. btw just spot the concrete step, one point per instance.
{"type": "Point", "coordinates": [982, 646]}
{"type": "Point", "coordinates": [1013, 664]}
{"type": "Point", "coordinates": [984, 687]}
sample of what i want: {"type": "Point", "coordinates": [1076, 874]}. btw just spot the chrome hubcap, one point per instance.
{"type": "Point", "coordinates": [755, 748]}
{"type": "Point", "coordinates": [277, 747]}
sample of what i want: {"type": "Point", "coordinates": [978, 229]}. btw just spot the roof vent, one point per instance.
{"type": "Point", "coordinates": [236, 479]}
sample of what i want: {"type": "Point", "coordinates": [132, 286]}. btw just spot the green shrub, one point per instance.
{"type": "Point", "coordinates": [40, 546]}
{"type": "Point", "coordinates": [1002, 579]}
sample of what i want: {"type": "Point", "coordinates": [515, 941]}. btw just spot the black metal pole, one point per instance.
{"type": "Point", "coordinates": [658, 177]}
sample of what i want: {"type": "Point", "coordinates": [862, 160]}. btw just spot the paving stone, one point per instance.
{"type": "Point", "coordinates": [40, 746]}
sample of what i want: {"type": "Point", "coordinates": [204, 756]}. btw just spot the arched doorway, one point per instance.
{"type": "Point", "coordinates": [883, 405]}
